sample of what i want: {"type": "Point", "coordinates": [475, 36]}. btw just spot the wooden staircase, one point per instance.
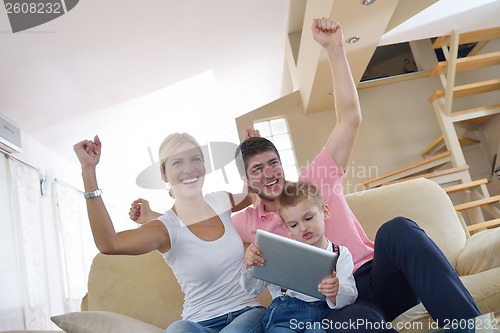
{"type": "Point", "coordinates": [424, 166]}
{"type": "Point", "coordinates": [446, 150]}
{"type": "Point", "coordinates": [439, 146]}
{"type": "Point", "coordinates": [475, 193]}
{"type": "Point", "coordinates": [469, 63]}
{"type": "Point", "coordinates": [442, 99]}
{"type": "Point", "coordinates": [484, 202]}
{"type": "Point", "coordinates": [441, 177]}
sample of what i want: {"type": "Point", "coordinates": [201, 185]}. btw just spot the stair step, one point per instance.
{"type": "Point", "coordinates": [438, 145]}
{"type": "Point", "coordinates": [465, 186]}
{"type": "Point", "coordinates": [469, 63]}
{"type": "Point", "coordinates": [470, 37]}
{"type": "Point", "coordinates": [477, 115]}
{"type": "Point", "coordinates": [445, 174]}
{"type": "Point", "coordinates": [418, 167]}
{"type": "Point", "coordinates": [483, 225]}
{"type": "Point", "coordinates": [469, 89]}
{"type": "Point", "coordinates": [477, 203]}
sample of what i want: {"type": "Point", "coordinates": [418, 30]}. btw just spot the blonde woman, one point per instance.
{"type": "Point", "coordinates": [195, 237]}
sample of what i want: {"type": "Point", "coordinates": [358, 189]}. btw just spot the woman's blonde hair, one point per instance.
{"type": "Point", "coordinates": [170, 144]}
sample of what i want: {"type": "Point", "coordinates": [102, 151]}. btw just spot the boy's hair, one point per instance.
{"type": "Point", "coordinates": [295, 192]}
{"type": "Point", "coordinates": [249, 148]}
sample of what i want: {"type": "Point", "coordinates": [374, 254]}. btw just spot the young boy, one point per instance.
{"type": "Point", "coordinates": [304, 213]}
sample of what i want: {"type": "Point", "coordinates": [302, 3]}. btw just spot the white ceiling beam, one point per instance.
{"type": "Point", "coordinates": [313, 71]}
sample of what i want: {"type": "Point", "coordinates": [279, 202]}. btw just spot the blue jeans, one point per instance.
{"type": "Point", "coordinates": [289, 314]}
{"type": "Point", "coordinates": [248, 319]}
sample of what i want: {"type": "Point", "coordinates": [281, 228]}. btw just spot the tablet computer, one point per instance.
{"type": "Point", "coordinates": [293, 265]}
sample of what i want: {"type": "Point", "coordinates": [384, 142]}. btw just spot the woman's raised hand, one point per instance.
{"type": "Point", "coordinates": [88, 152]}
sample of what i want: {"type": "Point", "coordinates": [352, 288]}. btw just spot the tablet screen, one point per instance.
{"type": "Point", "coordinates": [293, 265]}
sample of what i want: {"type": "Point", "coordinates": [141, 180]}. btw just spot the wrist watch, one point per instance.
{"type": "Point", "coordinates": [93, 194]}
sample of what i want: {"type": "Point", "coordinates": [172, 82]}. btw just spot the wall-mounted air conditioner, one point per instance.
{"type": "Point", "coordinates": [10, 136]}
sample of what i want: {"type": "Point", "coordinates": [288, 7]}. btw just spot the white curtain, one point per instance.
{"type": "Point", "coordinates": [75, 243]}
{"type": "Point", "coordinates": [11, 304]}
{"type": "Point", "coordinates": [31, 254]}
{"type": "Point", "coordinates": [46, 247]}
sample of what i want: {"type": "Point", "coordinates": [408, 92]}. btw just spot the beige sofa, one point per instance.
{"type": "Point", "coordinates": [121, 288]}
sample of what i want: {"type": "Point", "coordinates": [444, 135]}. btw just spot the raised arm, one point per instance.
{"type": "Point", "coordinates": [138, 241]}
{"type": "Point", "coordinates": [340, 143]}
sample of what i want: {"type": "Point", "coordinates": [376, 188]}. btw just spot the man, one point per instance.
{"type": "Point", "coordinates": [402, 267]}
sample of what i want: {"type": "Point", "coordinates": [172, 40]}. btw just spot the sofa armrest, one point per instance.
{"type": "Point", "coordinates": [480, 253]}
{"type": "Point", "coordinates": [84, 305]}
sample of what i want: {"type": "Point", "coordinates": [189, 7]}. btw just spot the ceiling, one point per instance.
{"type": "Point", "coordinates": [134, 71]}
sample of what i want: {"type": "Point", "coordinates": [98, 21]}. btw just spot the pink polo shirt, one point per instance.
{"type": "Point", "coordinates": [342, 228]}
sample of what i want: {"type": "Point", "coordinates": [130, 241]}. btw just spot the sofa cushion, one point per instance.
{"type": "Point", "coordinates": [102, 322]}
{"type": "Point", "coordinates": [484, 287]}
{"type": "Point", "coordinates": [420, 200]}
{"type": "Point", "coordinates": [141, 287]}
{"type": "Point", "coordinates": [480, 253]}
{"type": "Point", "coordinates": [414, 320]}
{"type": "Point", "coordinates": [417, 320]}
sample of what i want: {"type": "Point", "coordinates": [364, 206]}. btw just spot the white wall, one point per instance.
{"type": "Point", "coordinates": [397, 124]}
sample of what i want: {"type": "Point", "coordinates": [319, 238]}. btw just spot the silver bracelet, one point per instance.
{"type": "Point", "coordinates": [93, 194]}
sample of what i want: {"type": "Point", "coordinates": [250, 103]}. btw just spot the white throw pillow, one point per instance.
{"type": "Point", "coordinates": [102, 322]}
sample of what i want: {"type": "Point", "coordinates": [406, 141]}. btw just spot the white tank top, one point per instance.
{"type": "Point", "coordinates": [207, 271]}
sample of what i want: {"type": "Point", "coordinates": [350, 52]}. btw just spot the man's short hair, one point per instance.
{"type": "Point", "coordinates": [251, 147]}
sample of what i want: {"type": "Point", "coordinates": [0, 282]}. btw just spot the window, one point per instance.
{"type": "Point", "coordinates": [276, 130]}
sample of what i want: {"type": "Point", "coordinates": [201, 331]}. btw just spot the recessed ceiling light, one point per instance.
{"type": "Point", "coordinates": [353, 40]}
{"type": "Point", "coordinates": [368, 2]}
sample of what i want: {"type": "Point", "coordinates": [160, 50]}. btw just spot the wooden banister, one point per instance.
{"type": "Point", "coordinates": [470, 37]}
{"type": "Point", "coordinates": [432, 161]}
{"type": "Point", "coordinates": [469, 63]}
{"type": "Point", "coordinates": [464, 141]}
{"type": "Point", "coordinates": [469, 89]}
{"type": "Point", "coordinates": [434, 174]}
{"type": "Point", "coordinates": [476, 114]}
{"type": "Point", "coordinates": [477, 203]}
{"type": "Point", "coordinates": [433, 144]}
{"type": "Point", "coordinates": [483, 225]}
{"type": "Point", "coordinates": [466, 186]}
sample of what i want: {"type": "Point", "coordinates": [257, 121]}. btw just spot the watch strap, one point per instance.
{"type": "Point", "coordinates": [93, 194]}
